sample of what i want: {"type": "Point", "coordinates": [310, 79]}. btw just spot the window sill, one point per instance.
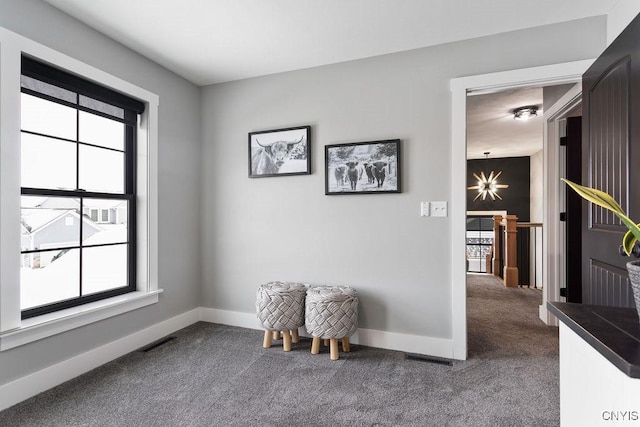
{"type": "Point", "coordinates": [50, 324]}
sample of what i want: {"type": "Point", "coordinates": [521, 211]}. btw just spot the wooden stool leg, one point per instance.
{"type": "Point", "coordinates": [286, 341]}
{"type": "Point", "coordinates": [295, 338]}
{"type": "Point", "coordinates": [326, 342]}
{"type": "Point", "coordinates": [345, 345]}
{"type": "Point", "coordinates": [315, 345]}
{"type": "Point", "coordinates": [276, 335]}
{"type": "Point", "coordinates": [266, 343]}
{"type": "Point", "coordinates": [334, 348]}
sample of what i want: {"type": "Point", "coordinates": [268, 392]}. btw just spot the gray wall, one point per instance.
{"type": "Point", "coordinates": [179, 182]}
{"type": "Point", "coordinates": [247, 231]}
{"type": "Point", "coordinates": [285, 228]}
{"type": "Point", "coordinates": [551, 94]}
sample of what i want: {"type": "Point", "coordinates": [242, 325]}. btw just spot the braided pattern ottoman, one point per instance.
{"type": "Point", "coordinates": [331, 312]}
{"type": "Point", "coordinates": [280, 309]}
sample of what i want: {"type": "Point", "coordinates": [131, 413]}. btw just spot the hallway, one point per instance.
{"type": "Point", "coordinates": [504, 322]}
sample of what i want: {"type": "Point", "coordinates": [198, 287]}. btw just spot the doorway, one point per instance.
{"type": "Point", "coordinates": [461, 87]}
{"type": "Point", "coordinates": [492, 128]}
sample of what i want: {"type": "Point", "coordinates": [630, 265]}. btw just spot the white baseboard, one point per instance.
{"type": "Point", "coordinates": [37, 382]}
{"type": "Point", "coordinates": [28, 386]}
{"type": "Point", "coordinates": [231, 318]}
{"type": "Point", "coordinates": [439, 347]}
{"type": "Point", "coordinates": [417, 344]}
{"type": "Point", "coordinates": [546, 316]}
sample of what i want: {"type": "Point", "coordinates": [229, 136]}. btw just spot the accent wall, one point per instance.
{"type": "Point", "coordinates": [515, 173]}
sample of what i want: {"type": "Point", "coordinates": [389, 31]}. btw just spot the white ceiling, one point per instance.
{"type": "Point", "coordinates": [213, 41]}
{"type": "Point", "coordinates": [492, 127]}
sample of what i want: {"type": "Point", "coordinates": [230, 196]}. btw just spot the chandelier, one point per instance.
{"type": "Point", "coordinates": [487, 185]}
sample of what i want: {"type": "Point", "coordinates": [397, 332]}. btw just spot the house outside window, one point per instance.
{"type": "Point", "coordinates": [78, 165]}
{"type": "Point", "coordinates": [18, 244]}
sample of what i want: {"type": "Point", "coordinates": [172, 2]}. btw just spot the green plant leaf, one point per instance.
{"type": "Point", "coordinates": [598, 197]}
{"type": "Point", "coordinates": [604, 200]}
{"type": "Point", "coordinates": [628, 241]}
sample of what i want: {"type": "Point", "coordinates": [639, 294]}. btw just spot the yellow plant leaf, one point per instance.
{"type": "Point", "coordinates": [604, 200]}
{"type": "Point", "coordinates": [598, 197]}
{"type": "Point", "coordinates": [629, 240]}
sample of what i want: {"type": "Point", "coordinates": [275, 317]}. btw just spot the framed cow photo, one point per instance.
{"type": "Point", "coordinates": [280, 152]}
{"type": "Point", "coordinates": [362, 167]}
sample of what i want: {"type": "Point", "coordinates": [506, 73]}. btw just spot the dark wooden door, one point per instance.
{"type": "Point", "coordinates": [573, 155]}
{"type": "Point", "coordinates": [611, 162]}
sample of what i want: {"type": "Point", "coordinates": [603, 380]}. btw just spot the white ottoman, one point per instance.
{"type": "Point", "coordinates": [280, 309]}
{"type": "Point", "coordinates": [331, 313]}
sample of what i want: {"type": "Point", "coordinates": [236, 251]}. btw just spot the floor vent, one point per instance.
{"type": "Point", "coordinates": [156, 344]}
{"type": "Point", "coordinates": [430, 359]}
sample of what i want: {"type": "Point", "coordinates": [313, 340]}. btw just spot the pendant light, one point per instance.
{"type": "Point", "coordinates": [487, 185]}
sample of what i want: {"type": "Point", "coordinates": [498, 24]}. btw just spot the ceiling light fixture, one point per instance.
{"type": "Point", "coordinates": [487, 185]}
{"type": "Point", "coordinates": [525, 113]}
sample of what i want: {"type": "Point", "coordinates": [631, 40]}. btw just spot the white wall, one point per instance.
{"type": "Point", "coordinates": [285, 228]}
{"type": "Point", "coordinates": [179, 182]}
{"type": "Point", "coordinates": [593, 391]}
{"type": "Point", "coordinates": [620, 16]}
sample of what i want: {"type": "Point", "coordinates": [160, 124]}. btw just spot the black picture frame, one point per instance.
{"type": "Point", "coordinates": [371, 167]}
{"type": "Point", "coordinates": [280, 152]}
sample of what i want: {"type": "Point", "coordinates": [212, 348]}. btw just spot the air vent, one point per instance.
{"type": "Point", "coordinates": [156, 344]}
{"type": "Point", "coordinates": [430, 359]}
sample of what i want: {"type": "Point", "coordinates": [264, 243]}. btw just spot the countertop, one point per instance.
{"type": "Point", "coordinates": [614, 332]}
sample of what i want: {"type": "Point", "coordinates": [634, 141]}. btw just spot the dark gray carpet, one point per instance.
{"type": "Point", "coordinates": [214, 375]}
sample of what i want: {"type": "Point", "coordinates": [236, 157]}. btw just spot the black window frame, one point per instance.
{"type": "Point", "coordinates": [131, 109]}
{"type": "Point", "coordinates": [484, 223]}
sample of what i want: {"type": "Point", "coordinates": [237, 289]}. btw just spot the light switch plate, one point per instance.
{"type": "Point", "coordinates": [424, 209]}
{"type": "Point", "coordinates": [438, 208]}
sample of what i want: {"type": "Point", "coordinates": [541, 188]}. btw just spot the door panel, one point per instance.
{"type": "Point", "coordinates": [609, 285]}
{"type": "Point", "coordinates": [609, 142]}
{"type": "Point", "coordinates": [611, 156]}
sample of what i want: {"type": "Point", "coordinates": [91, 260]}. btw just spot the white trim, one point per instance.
{"type": "Point", "coordinates": [553, 193]}
{"type": "Point", "coordinates": [231, 318]}
{"type": "Point", "coordinates": [370, 337]}
{"type": "Point", "coordinates": [486, 213]}
{"type": "Point", "coordinates": [537, 76]}
{"type": "Point", "coordinates": [51, 376]}
{"type": "Point", "coordinates": [64, 320]}
{"type": "Point", "coordinates": [9, 182]}
{"type": "Point", "coordinates": [418, 344]}
{"type": "Point", "coordinates": [12, 329]}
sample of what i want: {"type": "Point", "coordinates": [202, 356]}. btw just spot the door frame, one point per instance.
{"type": "Point", "coordinates": [569, 72]}
{"type": "Point", "coordinates": [555, 196]}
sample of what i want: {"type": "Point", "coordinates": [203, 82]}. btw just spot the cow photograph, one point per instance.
{"type": "Point", "coordinates": [280, 152]}
{"type": "Point", "coordinates": [363, 167]}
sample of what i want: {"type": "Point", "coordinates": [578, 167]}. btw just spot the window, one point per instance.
{"type": "Point", "coordinates": [15, 329]}
{"type": "Point", "coordinates": [78, 162]}
{"type": "Point", "coordinates": [479, 242]}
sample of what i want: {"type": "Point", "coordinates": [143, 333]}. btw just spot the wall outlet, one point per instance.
{"type": "Point", "coordinates": [424, 209]}
{"type": "Point", "coordinates": [438, 208]}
